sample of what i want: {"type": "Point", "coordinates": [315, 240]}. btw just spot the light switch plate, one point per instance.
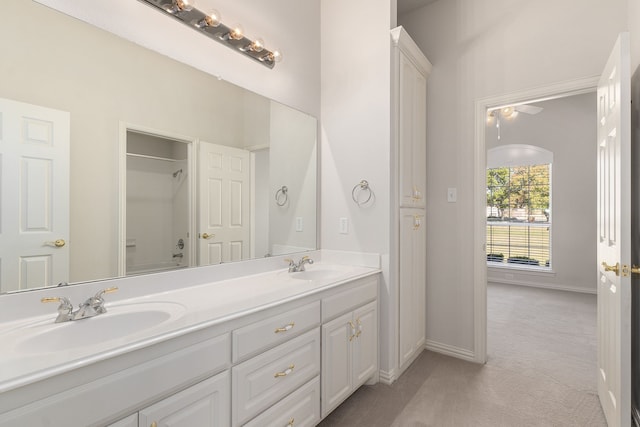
{"type": "Point", "coordinates": [452, 195]}
{"type": "Point", "coordinates": [344, 225]}
{"type": "Point", "coordinates": [299, 225]}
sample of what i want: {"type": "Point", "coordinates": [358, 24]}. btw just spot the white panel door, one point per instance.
{"type": "Point", "coordinates": [224, 196]}
{"type": "Point", "coordinates": [412, 285]}
{"type": "Point", "coordinates": [412, 111]}
{"type": "Point", "coordinates": [337, 365]}
{"type": "Point", "coordinates": [365, 344]}
{"type": "Point", "coordinates": [34, 184]}
{"type": "Point", "coordinates": [614, 235]}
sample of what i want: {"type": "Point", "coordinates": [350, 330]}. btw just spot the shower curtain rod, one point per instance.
{"type": "Point", "coordinates": [144, 156]}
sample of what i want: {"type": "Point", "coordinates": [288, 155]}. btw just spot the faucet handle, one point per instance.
{"type": "Point", "coordinates": [64, 309]}
{"type": "Point", "coordinates": [290, 261]}
{"type": "Point", "coordinates": [106, 291]}
{"type": "Point", "coordinates": [64, 301]}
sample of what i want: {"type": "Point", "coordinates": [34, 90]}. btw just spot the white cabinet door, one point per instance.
{"type": "Point", "coordinates": [130, 421]}
{"type": "Point", "coordinates": [412, 110]}
{"type": "Point", "coordinates": [412, 284]}
{"type": "Point", "coordinates": [336, 361]}
{"type": "Point", "coordinates": [365, 344]}
{"type": "Point", "coordinates": [205, 404]}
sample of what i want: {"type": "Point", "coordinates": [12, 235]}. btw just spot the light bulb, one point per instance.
{"type": "Point", "coordinates": [276, 56]}
{"type": "Point", "coordinates": [181, 6]}
{"type": "Point", "coordinates": [211, 19]}
{"type": "Point", "coordinates": [257, 45]}
{"type": "Point", "coordinates": [236, 32]}
{"type": "Point", "coordinates": [507, 112]}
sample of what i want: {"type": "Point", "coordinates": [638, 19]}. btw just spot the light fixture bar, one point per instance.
{"type": "Point", "coordinates": [228, 36]}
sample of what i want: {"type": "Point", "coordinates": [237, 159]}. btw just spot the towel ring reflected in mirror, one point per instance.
{"type": "Point", "coordinates": [362, 193]}
{"type": "Point", "coordinates": [282, 196]}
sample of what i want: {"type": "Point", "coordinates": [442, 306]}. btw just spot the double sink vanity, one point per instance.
{"type": "Point", "coordinates": [251, 343]}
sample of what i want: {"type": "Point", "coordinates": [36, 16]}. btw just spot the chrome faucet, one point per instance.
{"type": "Point", "coordinates": [91, 307]}
{"type": "Point", "coordinates": [299, 266]}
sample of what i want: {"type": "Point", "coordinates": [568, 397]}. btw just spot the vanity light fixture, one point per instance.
{"type": "Point", "coordinates": [210, 24]}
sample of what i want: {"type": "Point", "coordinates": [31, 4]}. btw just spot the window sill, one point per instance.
{"type": "Point", "coordinates": [518, 268]}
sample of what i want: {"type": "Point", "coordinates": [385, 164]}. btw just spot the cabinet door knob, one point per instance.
{"type": "Point", "coordinates": [154, 424]}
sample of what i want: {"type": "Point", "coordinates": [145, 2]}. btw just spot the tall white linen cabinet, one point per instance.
{"type": "Point", "coordinates": [409, 72]}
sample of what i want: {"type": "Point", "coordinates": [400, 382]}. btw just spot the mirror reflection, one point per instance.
{"type": "Point", "coordinates": [117, 160]}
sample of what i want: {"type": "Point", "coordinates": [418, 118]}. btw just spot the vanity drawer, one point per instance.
{"type": "Point", "coordinates": [343, 302]}
{"type": "Point", "coordinates": [300, 409]}
{"type": "Point", "coordinates": [274, 330]}
{"type": "Point", "coordinates": [262, 381]}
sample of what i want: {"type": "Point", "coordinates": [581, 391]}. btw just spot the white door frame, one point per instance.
{"type": "Point", "coordinates": [558, 90]}
{"type": "Point", "coordinates": [122, 188]}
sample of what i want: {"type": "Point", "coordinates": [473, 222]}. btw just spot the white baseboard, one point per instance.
{"type": "Point", "coordinates": [450, 350]}
{"type": "Point", "coordinates": [541, 285]}
{"type": "Point", "coordinates": [388, 378]}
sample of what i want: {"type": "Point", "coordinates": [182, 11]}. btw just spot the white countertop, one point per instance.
{"type": "Point", "coordinates": [191, 308]}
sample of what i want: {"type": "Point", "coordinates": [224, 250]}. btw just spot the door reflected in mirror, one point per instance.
{"type": "Point", "coordinates": [102, 83]}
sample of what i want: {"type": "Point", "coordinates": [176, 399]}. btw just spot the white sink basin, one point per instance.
{"type": "Point", "coordinates": [320, 272]}
{"type": "Point", "coordinates": [118, 322]}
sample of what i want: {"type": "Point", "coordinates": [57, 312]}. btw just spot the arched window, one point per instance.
{"type": "Point", "coordinates": [519, 206]}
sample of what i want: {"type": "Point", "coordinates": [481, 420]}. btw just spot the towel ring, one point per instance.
{"type": "Point", "coordinates": [281, 196]}
{"type": "Point", "coordinates": [361, 187]}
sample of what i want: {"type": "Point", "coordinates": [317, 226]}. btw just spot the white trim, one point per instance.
{"type": "Point", "coordinates": [450, 350]}
{"type": "Point", "coordinates": [122, 188]}
{"type": "Point", "coordinates": [557, 90]}
{"type": "Point", "coordinates": [388, 378]}
{"type": "Point", "coordinates": [542, 285]}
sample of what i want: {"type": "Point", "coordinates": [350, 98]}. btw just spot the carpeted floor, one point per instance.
{"type": "Point", "coordinates": [541, 371]}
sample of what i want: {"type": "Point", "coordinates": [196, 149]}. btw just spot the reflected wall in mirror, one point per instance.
{"type": "Point", "coordinates": [104, 85]}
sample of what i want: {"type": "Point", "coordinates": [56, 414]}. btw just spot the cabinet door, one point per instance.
{"type": "Point", "coordinates": [412, 110]}
{"type": "Point", "coordinates": [337, 336]}
{"type": "Point", "coordinates": [365, 345]}
{"type": "Point", "coordinates": [412, 276]}
{"type": "Point", "coordinates": [205, 404]}
{"type": "Point", "coordinates": [130, 421]}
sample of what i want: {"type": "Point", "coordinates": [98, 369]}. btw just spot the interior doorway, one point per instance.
{"type": "Point", "coordinates": [483, 108]}
{"type": "Point", "coordinates": [156, 201]}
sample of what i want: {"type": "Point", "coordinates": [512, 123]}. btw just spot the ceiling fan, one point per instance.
{"type": "Point", "coordinates": [511, 111]}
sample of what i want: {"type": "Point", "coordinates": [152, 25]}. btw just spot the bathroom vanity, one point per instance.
{"type": "Point", "coordinates": [250, 350]}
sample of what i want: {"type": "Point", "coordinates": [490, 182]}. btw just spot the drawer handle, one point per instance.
{"type": "Point", "coordinates": [285, 372]}
{"type": "Point", "coordinates": [353, 331]}
{"type": "Point", "coordinates": [359, 328]}
{"type": "Point", "coordinates": [285, 328]}
{"type": "Point", "coordinates": [290, 423]}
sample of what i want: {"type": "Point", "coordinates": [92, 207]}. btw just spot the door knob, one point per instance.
{"type": "Point", "coordinates": [614, 268]}
{"type": "Point", "coordinates": [57, 243]}
{"type": "Point", "coordinates": [207, 235]}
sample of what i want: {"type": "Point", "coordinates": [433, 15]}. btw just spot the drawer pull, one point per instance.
{"type": "Point", "coordinates": [359, 328]}
{"type": "Point", "coordinates": [290, 423]}
{"type": "Point", "coordinates": [285, 328]}
{"type": "Point", "coordinates": [353, 331]}
{"type": "Point", "coordinates": [285, 372]}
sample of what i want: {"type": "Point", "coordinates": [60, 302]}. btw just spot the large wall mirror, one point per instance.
{"type": "Point", "coordinates": [117, 160]}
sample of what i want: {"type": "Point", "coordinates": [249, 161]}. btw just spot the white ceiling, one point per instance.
{"type": "Point", "coordinates": [405, 6]}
